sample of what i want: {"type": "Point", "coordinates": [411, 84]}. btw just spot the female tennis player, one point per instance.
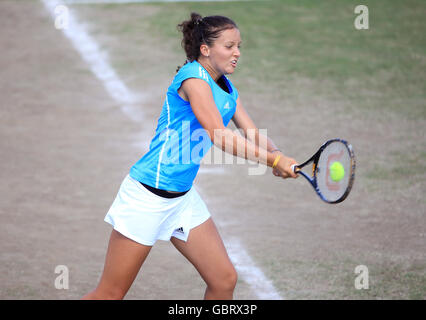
{"type": "Point", "coordinates": [157, 200]}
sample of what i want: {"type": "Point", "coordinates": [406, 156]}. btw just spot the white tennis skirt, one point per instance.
{"type": "Point", "coordinates": [144, 217]}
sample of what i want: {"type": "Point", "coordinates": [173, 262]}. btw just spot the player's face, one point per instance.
{"type": "Point", "coordinates": [225, 52]}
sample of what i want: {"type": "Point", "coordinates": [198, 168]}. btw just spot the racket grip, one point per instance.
{"type": "Point", "coordinates": [294, 168]}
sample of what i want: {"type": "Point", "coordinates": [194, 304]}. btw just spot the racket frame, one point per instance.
{"type": "Point", "coordinates": [314, 159]}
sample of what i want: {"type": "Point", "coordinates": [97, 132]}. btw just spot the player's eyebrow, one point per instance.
{"type": "Point", "coordinates": [232, 42]}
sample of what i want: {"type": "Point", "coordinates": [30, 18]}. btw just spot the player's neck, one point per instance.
{"type": "Point", "coordinates": [212, 72]}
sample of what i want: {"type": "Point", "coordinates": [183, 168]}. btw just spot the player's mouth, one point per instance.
{"type": "Point", "coordinates": [234, 63]}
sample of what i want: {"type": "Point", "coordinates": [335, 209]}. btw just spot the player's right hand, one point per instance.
{"type": "Point", "coordinates": [284, 168]}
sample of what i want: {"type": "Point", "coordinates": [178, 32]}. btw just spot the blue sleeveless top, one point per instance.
{"type": "Point", "coordinates": [180, 142]}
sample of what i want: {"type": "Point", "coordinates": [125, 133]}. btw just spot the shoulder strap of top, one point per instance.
{"type": "Point", "coordinates": [191, 70]}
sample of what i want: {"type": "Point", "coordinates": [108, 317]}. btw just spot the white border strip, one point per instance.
{"type": "Point", "coordinates": [258, 282]}
{"type": "Point", "coordinates": [98, 62]}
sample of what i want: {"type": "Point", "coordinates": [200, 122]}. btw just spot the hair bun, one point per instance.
{"type": "Point", "coordinates": [196, 18]}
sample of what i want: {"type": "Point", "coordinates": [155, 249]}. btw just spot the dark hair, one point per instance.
{"type": "Point", "coordinates": [199, 30]}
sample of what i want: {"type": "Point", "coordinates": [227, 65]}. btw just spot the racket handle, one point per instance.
{"type": "Point", "coordinates": [295, 168]}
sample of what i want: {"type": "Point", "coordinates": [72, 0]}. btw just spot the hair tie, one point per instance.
{"type": "Point", "coordinates": [197, 22]}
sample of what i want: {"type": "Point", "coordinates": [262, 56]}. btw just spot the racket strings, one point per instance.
{"type": "Point", "coordinates": [334, 185]}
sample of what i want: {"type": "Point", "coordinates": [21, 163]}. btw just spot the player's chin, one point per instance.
{"type": "Point", "coordinates": [230, 70]}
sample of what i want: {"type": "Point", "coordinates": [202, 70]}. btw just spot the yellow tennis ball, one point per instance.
{"type": "Point", "coordinates": [337, 172]}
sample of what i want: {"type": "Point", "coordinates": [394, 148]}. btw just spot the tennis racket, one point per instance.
{"type": "Point", "coordinates": [332, 170]}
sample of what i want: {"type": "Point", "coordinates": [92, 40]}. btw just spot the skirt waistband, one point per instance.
{"type": "Point", "coordinates": [163, 193]}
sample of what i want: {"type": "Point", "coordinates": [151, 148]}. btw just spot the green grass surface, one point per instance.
{"type": "Point", "coordinates": [331, 279]}
{"type": "Point", "coordinates": [381, 68]}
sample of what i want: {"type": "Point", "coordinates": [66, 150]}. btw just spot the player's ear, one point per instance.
{"type": "Point", "coordinates": [205, 50]}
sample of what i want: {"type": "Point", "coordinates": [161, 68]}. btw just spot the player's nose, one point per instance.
{"type": "Point", "coordinates": [237, 53]}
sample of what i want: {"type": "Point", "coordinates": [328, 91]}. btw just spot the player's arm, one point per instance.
{"type": "Point", "coordinates": [202, 103]}
{"type": "Point", "coordinates": [243, 121]}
